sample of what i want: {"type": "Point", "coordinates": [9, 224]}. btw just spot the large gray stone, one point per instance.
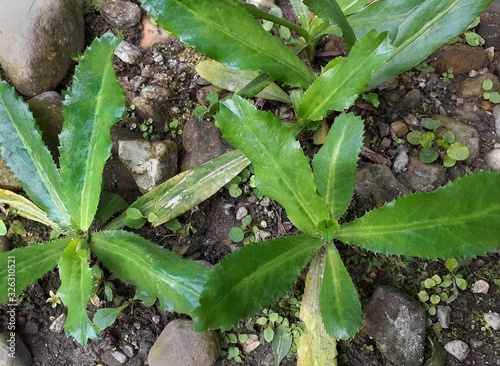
{"type": "Point", "coordinates": [376, 185]}
{"type": "Point", "coordinates": [203, 142]}
{"type": "Point", "coordinates": [473, 87]}
{"type": "Point", "coordinates": [397, 324]}
{"type": "Point", "coordinates": [420, 177]}
{"type": "Point", "coordinates": [13, 351]}
{"type": "Point", "coordinates": [37, 38]}
{"type": "Point", "coordinates": [461, 57]}
{"type": "Point", "coordinates": [179, 344]}
{"type": "Point", "coordinates": [150, 162]}
{"type": "Point", "coordinates": [121, 14]}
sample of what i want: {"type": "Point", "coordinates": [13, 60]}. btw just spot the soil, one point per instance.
{"type": "Point", "coordinates": [138, 326]}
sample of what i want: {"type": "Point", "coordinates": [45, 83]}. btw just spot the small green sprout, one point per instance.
{"type": "Point", "coordinates": [173, 128]}
{"type": "Point", "coordinates": [425, 68]}
{"type": "Point", "coordinates": [455, 151]}
{"type": "Point", "coordinates": [245, 233]}
{"type": "Point", "coordinates": [436, 289]}
{"type": "Point", "coordinates": [492, 96]}
{"type": "Point", "coordinates": [447, 75]}
{"type": "Point", "coordinates": [202, 112]}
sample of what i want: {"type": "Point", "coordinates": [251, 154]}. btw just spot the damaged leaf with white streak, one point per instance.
{"type": "Point", "coordinates": [316, 347]}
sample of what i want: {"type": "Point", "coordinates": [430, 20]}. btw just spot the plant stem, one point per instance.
{"type": "Point", "coordinates": [256, 12]}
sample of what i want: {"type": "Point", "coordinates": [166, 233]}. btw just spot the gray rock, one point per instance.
{"type": "Point", "coordinates": [473, 87]}
{"type": "Point", "coordinates": [397, 324]}
{"type": "Point", "coordinates": [121, 14]}
{"type": "Point", "coordinates": [492, 158]}
{"type": "Point", "coordinates": [480, 287]}
{"type": "Point", "coordinates": [399, 128]}
{"type": "Point", "coordinates": [420, 177]}
{"type": "Point", "coordinates": [7, 180]}
{"type": "Point", "coordinates": [119, 356]}
{"type": "Point", "coordinates": [179, 344]}
{"type": "Point", "coordinates": [154, 102]}
{"type": "Point", "coordinates": [128, 53]}
{"type": "Point", "coordinates": [57, 325]}
{"type": "Point", "coordinates": [496, 114]}
{"type": "Point", "coordinates": [376, 185]}
{"type": "Point", "coordinates": [443, 316]}
{"type": "Point", "coordinates": [37, 38]}
{"type": "Point", "coordinates": [461, 57]}
{"type": "Point", "coordinates": [128, 349]}
{"type": "Point", "coordinates": [150, 162]}
{"type": "Point", "coordinates": [464, 134]}
{"type": "Point", "coordinates": [400, 162]}
{"type": "Point", "coordinates": [493, 320]}
{"type": "Point", "coordinates": [122, 133]}
{"type": "Point", "coordinates": [13, 352]}
{"type": "Point", "coordinates": [47, 110]}
{"type": "Point", "coordinates": [457, 348]}
{"type": "Point", "coordinates": [202, 142]}
{"type": "Point", "coordinates": [412, 98]}
{"type": "Point", "coordinates": [241, 213]}
{"type": "Point", "coordinates": [489, 27]}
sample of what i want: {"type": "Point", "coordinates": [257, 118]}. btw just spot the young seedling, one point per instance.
{"type": "Point", "coordinates": [492, 96]}
{"type": "Point", "coordinates": [429, 142]}
{"type": "Point", "coordinates": [447, 75]}
{"type": "Point", "coordinates": [245, 233]}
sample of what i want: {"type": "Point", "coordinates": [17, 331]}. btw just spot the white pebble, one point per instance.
{"type": "Point", "coordinates": [263, 224]}
{"type": "Point", "coordinates": [443, 315]}
{"type": "Point", "coordinates": [493, 320]}
{"type": "Point", "coordinates": [480, 287]}
{"type": "Point", "coordinates": [458, 349]}
{"type": "Point", "coordinates": [241, 213]}
{"type": "Point", "coordinates": [492, 158]}
{"type": "Point", "coordinates": [128, 53]}
{"type": "Point", "coordinates": [58, 324]}
{"type": "Point", "coordinates": [120, 357]}
{"type": "Point", "coordinates": [261, 235]}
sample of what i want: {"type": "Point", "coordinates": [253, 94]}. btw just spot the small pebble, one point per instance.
{"type": "Point", "coordinates": [480, 287]}
{"type": "Point", "coordinates": [400, 162]}
{"type": "Point", "coordinates": [119, 356]}
{"type": "Point", "coordinates": [493, 320]}
{"type": "Point", "coordinates": [263, 224]}
{"type": "Point", "coordinates": [155, 319]}
{"type": "Point", "coordinates": [145, 346]}
{"type": "Point", "coordinates": [241, 213]}
{"type": "Point", "coordinates": [128, 349]}
{"type": "Point", "coordinates": [399, 128]}
{"type": "Point", "coordinates": [386, 142]}
{"type": "Point", "coordinates": [137, 325]}
{"type": "Point", "coordinates": [265, 202]}
{"type": "Point", "coordinates": [443, 316]}
{"type": "Point", "coordinates": [476, 343]}
{"type": "Point", "coordinates": [261, 235]}
{"type": "Point", "coordinates": [458, 349]}
{"type": "Point", "coordinates": [492, 158]}
{"type": "Point", "coordinates": [58, 324]}
{"type": "Point", "coordinates": [128, 53]}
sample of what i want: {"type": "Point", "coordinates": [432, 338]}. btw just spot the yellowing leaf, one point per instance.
{"type": "Point", "coordinates": [316, 347]}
